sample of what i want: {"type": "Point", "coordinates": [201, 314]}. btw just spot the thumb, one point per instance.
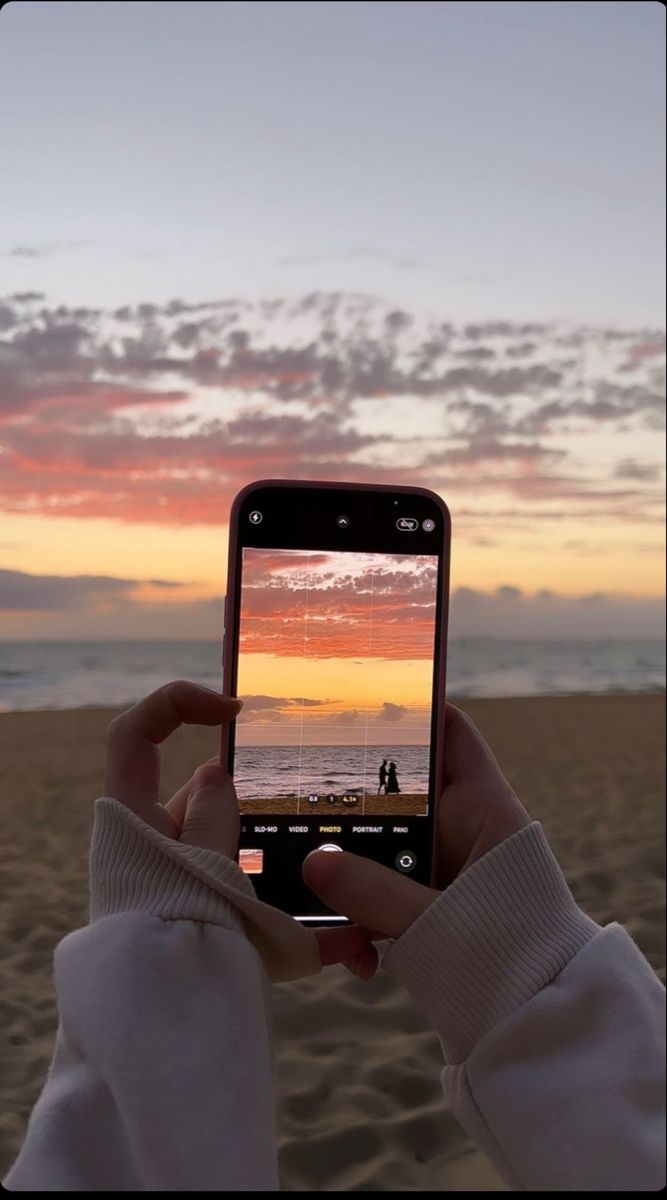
{"type": "Point", "coordinates": [212, 815]}
{"type": "Point", "coordinates": [370, 894]}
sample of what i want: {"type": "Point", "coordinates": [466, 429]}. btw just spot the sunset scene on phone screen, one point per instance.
{"type": "Point", "coordinates": [336, 677]}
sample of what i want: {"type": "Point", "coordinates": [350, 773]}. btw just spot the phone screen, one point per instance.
{"type": "Point", "coordinates": [337, 651]}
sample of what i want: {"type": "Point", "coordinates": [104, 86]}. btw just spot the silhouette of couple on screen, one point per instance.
{"type": "Point", "coordinates": [388, 779]}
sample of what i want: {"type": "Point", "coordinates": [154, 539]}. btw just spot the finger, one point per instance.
{"type": "Point", "coordinates": [365, 965]}
{"type": "Point", "coordinates": [466, 751]}
{"type": "Point", "coordinates": [212, 819]}
{"type": "Point", "coordinates": [351, 946]}
{"type": "Point", "coordinates": [368, 893]}
{"type": "Point", "coordinates": [339, 945]}
{"type": "Point", "coordinates": [179, 801]}
{"type": "Point", "coordinates": [133, 762]}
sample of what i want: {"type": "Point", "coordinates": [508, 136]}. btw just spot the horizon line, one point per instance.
{"type": "Point", "coordinates": [472, 637]}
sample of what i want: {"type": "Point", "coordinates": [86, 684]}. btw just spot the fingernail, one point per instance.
{"type": "Point", "coordinates": [221, 696]}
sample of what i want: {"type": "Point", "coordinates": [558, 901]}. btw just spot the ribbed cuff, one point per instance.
{"type": "Point", "coordinates": [495, 937]}
{"type": "Point", "coordinates": [135, 867]}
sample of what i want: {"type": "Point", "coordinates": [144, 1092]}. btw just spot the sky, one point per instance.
{"type": "Point", "coordinates": [343, 631]}
{"type": "Point", "coordinates": [411, 243]}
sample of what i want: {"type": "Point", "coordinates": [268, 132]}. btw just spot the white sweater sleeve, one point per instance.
{"type": "Point", "coordinates": [163, 1072]}
{"type": "Point", "coordinates": [162, 1078]}
{"type": "Point", "coordinates": [552, 1028]}
{"type": "Point", "coordinates": [163, 1075]}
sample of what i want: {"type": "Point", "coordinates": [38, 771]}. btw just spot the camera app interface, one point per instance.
{"type": "Point", "coordinates": [335, 671]}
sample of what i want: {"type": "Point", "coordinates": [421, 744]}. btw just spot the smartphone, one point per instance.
{"type": "Point", "coordinates": [335, 639]}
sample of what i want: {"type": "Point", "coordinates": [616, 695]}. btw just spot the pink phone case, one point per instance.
{"type": "Point", "coordinates": [230, 607]}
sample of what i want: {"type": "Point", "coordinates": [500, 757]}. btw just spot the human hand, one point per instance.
{"type": "Point", "coordinates": [477, 811]}
{"type": "Point", "coordinates": [204, 811]}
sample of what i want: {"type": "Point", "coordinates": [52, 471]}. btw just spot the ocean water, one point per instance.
{"type": "Point", "coordinates": [320, 770]}
{"type": "Point", "coordinates": [108, 674]}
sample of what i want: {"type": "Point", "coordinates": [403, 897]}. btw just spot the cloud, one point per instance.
{"type": "Point", "coordinates": [25, 252]}
{"type": "Point", "coordinates": [41, 249]}
{"type": "Point", "coordinates": [388, 610]}
{"type": "Point", "coordinates": [254, 703]}
{"type": "Point", "coordinates": [353, 254]}
{"type": "Point", "coordinates": [22, 592]}
{"type": "Point", "coordinates": [611, 404]}
{"type": "Point", "coordinates": [489, 450]}
{"type": "Point", "coordinates": [265, 716]}
{"type": "Point", "coordinates": [504, 329]}
{"type": "Point", "coordinates": [510, 381]}
{"type": "Point", "coordinates": [392, 712]}
{"type": "Point", "coordinates": [349, 716]}
{"type": "Point", "coordinates": [8, 317]}
{"type": "Point", "coordinates": [60, 346]}
{"type": "Point", "coordinates": [613, 401]}
{"type": "Point", "coordinates": [477, 354]}
{"type": "Point", "coordinates": [499, 519]}
{"type": "Point", "coordinates": [301, 387]}
{"type": "Point", "coordinates": [101, 607]}
{"type": "Point", "coordinates": [654, 348]}
{"type": "Point", "coordinates": [511, 613]}
{"type": "Point", "coordinates": [629, 468]}
{"type": "Point", "coordinates": [273, 563]}
{"type": "Point", "coordinates": [264, 446]}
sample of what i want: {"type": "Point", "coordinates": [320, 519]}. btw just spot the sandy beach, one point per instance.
{"type": "Point", "coordinates": [402, 805]}
{"type": "Point", "coordinates": [361, 1106]}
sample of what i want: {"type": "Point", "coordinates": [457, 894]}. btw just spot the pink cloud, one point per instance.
{"type": "Point", "coordinates": [67, 445]}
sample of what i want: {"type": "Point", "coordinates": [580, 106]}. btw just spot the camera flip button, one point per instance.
{"type": "Point", "coordinates": [406, 860]}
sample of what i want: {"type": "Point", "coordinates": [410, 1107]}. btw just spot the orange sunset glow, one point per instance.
{"type": "Point", "coordinates": [351, 634]}
{"type": "Point", "coordinates": [416, 285]}
{"type": "Point", "coordinates": [125, 434]}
